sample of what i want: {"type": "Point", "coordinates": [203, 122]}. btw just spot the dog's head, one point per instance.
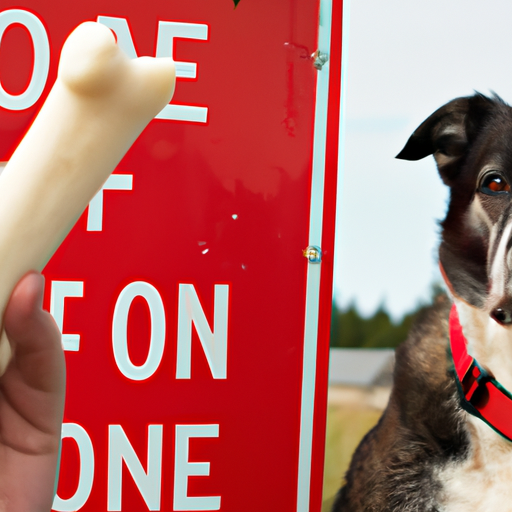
{"type": "Point", "coordinates": [471, 140]}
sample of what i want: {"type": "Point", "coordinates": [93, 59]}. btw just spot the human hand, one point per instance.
{"type": "Point", "coordinates": [32, 393]}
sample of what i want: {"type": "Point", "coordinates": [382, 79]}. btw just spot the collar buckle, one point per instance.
{"type": "Point", "coordinates": [474, 384]}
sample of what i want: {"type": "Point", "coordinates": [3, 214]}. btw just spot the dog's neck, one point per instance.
{"type": "Point", "coordinates": [487, 341]}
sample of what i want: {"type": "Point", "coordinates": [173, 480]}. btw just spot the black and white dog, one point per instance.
{"type": "Point", "coordinates": [442, 443]}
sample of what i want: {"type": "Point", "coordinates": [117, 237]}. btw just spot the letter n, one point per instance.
{"type": "Point", "coordinates": [214, 342]}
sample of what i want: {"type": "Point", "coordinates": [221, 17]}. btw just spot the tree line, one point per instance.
{"type": "Point", "coordinates": [349, 329]}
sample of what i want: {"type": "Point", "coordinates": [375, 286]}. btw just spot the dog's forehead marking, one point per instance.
{"type": "Point", "coordinates": [497, 232]}
{"type": "Point", "coordinates": [499, 271]}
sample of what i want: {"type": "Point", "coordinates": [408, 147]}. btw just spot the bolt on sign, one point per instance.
{"type": "Point", "coordinates": [194, 293]}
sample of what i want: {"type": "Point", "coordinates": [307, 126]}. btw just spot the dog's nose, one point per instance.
{"type": "Point", "coordinates": [502, 315]}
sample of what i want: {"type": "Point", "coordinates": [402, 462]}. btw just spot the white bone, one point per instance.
{"type": "Point", "coordinates": [99, 104]}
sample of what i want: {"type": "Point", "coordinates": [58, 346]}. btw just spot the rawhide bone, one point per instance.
{"type": "Point", "coordinates": [99, 104]}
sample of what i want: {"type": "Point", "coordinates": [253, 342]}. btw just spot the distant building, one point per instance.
{"type": "Point", "coordinates": [361, 367]}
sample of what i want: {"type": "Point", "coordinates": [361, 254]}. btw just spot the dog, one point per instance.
{"type": "Point", "coordinates": [437, 447]}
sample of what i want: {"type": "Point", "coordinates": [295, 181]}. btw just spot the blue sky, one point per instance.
{"type": "Point", "coordinates": [404, 60]}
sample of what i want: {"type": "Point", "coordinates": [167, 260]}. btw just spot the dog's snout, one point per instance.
{"type": "Point", "coordinates": [502, 315]}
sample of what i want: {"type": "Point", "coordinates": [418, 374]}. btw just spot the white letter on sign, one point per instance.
{"type": "Point", "coordinates": [183, 469]}
{"type": "Point", "coordinates": [95, 213]}
{"type": "Point", "coordinates": [83, 441]}
{"type": "Point", "coordinates": [41, 59]}
{"type": "Point", "coordinates": [167, 31]}
{"type": "Point", "coordinates": [150, 483]}
{"type": "Point", "coordinates": [59, 291]}
{"type": "Point", "coordinates": [214, 343]}
{"type": "Point", "coordinates": [120, 330]}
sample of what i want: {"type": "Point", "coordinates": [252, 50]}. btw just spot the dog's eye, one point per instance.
{"type": "Point", "coordinates": [493, 184]}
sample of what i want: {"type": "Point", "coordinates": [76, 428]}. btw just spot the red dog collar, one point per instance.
{"type": "Point", "coordinates": [481, 395]}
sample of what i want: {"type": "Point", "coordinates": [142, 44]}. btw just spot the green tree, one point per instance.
{"type": "Point", "coordinates": [350, 329]}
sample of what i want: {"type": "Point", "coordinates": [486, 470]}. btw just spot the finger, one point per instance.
{"type": "Point", "coordinates": [34, 336]}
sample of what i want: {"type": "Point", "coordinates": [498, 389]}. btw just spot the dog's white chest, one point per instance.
{"type": "Point", "coordinates": [483, 482]}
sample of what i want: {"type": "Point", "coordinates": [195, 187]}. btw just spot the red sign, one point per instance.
{"type": "Point", "coordinates": [195, 328]}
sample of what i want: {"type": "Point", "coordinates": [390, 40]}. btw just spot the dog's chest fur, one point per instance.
{"type": "Point", "coordinates": [483, 481]}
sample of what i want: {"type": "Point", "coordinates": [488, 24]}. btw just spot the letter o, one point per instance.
{"type": "Point", "coordinates": [120, 330]}
{"type": "Point", "coordinates": [83, 491]}
{"type": "Point", "coordinates": [41, 59]}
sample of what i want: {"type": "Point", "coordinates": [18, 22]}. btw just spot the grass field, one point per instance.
{"type": "Point", "coordinates": [351, 413]}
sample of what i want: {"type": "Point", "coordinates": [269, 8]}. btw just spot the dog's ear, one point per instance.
{"type": "Point", "coordinates": [449, 132]}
